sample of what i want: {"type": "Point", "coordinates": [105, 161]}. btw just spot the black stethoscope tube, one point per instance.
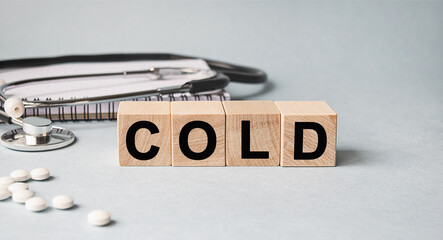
{"type": "Point", "coordinates": [236, 73]}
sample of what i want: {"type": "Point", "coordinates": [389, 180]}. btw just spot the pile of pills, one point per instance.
{"type": "Point", "coordinates": [14, 186]}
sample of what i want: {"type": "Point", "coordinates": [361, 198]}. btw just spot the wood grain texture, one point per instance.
{"type": "Point", "coordinates": [158, 113]}
{"type": "Point", "coordinates": [210, 112]}
{"type": "Point", "coordinates": [307, 111]}
{"type": "Point", "coordinates": [264, 119]}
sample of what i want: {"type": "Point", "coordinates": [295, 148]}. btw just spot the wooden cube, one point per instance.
{"type": "Point", "coordinates": [144, 134]}
{"type": "Point", "coordinates": [309, 132]}
{"type": "Point", "coordinates": [198, 133]}
{"type": "Point", "coordinates": [252, 133]}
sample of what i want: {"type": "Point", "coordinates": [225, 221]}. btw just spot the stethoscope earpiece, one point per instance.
{"type": "Point", "coordinates": [14, 107]}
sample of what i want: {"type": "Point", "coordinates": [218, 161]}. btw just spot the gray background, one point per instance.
{"type": "Point", "coordinates": [378, 64]}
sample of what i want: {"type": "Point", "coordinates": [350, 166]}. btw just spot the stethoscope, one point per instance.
{"type": "Point", "coordinates": [38, 133]}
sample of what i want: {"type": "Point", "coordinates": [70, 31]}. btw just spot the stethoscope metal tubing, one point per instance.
{"type": "Point", "coordinates": [101, 99]}
{"type": "Point", "coordinates": [187, 87]}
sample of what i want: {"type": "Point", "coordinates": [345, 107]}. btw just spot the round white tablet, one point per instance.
{"type": "Point", "coordinates": [20, 175]}
{"type": "Point", "coordinates": [4, 193]}
{"type": "Point", "coordinates": [6, 181]}
{"type": "Point", "coordinates": [40, 174]}
{"type": "Point", "coordinates": [22, 196]}
{"type": "Point", "coordinates": [99, 217]}
{"type": "Point", "coordinates": [36, 204]}
{"type": "Point", "coordinates": [18, 186]}
{"type": "Point", "coordinates": [62, 202]}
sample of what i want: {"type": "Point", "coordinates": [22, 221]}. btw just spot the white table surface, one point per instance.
{"type": "Point", "coordinates": [378, 64]}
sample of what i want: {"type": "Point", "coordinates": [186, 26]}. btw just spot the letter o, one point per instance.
{"type": "Point", "coordinates": [184, 144]}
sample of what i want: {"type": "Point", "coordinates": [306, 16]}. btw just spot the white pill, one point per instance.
{"type": "Point", "coordinates": [22, 196]}
{"type": "Point", "coordinates": [36, 204]}
{"type": "Point", "coordinates": [18, 186]}
{"type": "Point", "coordinates": [40, 174]}
{"type": "Point", "coordinates": [20, 175]}
{"type": "Point", "coordinates": [62, 202]}
{"type": "Point", "coordinates": [4, 193]}
{"type": "Point", "coordinates": [6, 181]}
{"type": "Point", "coordinates": [99, 217]}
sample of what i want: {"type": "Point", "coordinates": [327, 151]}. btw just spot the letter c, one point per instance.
{"type": "Point", "coordinates": [130, 140]}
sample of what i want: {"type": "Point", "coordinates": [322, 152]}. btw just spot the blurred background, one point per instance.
{"type": "Point", "coordinates": [350, 44]}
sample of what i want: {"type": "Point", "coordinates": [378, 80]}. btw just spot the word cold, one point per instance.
{"type": "Point", "coordinates": [231, 133]}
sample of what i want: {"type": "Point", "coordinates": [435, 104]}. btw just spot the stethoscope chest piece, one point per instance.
{"type": "Point", "coordinates": [37, 134]}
